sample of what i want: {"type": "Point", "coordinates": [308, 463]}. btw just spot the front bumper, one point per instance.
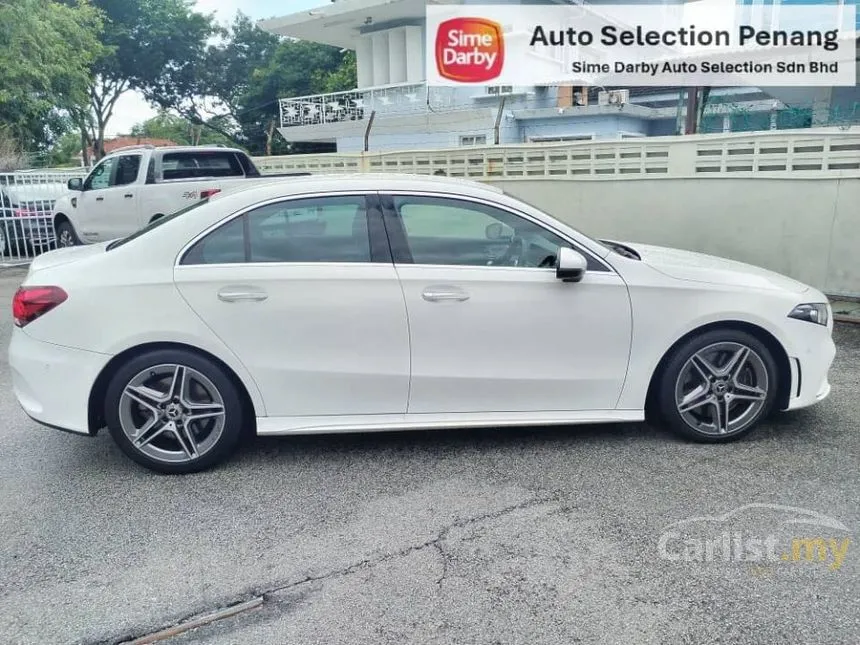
{"type": "Point", "coordinates": [811, 355]}
{"type": "Point", "coordinates": [52, 383]}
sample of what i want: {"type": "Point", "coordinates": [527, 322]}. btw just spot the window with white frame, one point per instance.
{"type": "Point", "coordinates": [473, 140]}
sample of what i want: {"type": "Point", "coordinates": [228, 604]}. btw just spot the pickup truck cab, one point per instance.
{"type": "Point", "coordinates": [134, 186]}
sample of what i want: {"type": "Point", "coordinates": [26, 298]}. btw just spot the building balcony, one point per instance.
{"type": "Point", "coordinates": [358, 104]}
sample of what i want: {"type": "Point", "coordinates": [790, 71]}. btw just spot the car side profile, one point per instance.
{"type": "Point", "coordinates": [368, 303]}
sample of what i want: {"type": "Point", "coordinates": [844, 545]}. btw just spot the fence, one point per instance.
{"type": "Point", "coordinates": [805, 153]}
{"type": "Point", "coordinates": [26, 202]}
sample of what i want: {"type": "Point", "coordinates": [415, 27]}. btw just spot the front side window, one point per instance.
{"type": "Point", "coordinates": [445, 231]}
{"type": "Point", "coordinates": [101, 175]}
{"type": "Point", "coordinates": [325, 229]}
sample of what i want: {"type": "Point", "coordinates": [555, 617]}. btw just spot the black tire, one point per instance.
{"type": "Point", "coordinates": [66, 235]}
{"type": "Point", "coordinates": [230, 431]}
{"type": "Point", "coordinates": [750, 412]}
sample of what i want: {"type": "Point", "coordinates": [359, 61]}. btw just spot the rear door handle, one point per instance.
{"type": "Point", "coordinates": [128, 195]}
{"type": "Point", "coordinates": [239, 294]}
{"type": "Point", "coordinates": [100, 199]}
{"type": "Point", "coordinates": [443, 293]}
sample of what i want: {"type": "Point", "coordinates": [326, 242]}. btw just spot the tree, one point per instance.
{"type": "Point", "coordinates": [180, 130]}
{"type": "Point", "coordinates": [48, 49]}
{"type": "Point", "coordinates": [297, 68]}
{"type": "Point", "coordinates": [152, 46]}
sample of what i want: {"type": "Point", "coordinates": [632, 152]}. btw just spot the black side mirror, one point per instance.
{"type": "Point", "coordinates": [76, 184]}
{"type": "Point", "coordinates": [571, 265]}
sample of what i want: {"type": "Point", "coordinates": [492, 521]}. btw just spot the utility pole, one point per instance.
{"type": "Point", "coordinates": [692, 120]}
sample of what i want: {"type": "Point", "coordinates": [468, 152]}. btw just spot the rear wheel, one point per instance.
{"type": "Point", "coordinates": [66, 235]}
{"type": "Point", "coordinates": [717, 387]}
{"type": "Point", "coordinates": [174, 411]}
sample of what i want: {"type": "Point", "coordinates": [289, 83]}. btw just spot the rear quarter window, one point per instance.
{"type": "Point", "coordinates": [200, 164]}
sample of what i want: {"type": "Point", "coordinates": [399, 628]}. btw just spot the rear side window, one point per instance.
{"type": "Point", "coordinates": [325, 229]}
{"type": "Point", "coordinates": [200, 164]}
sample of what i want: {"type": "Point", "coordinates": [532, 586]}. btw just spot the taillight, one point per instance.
{"type": "Point", "coordinates": [206, 193]}
{"type": "Point", "coordinates": [31, 302]}
{"type": "Point", "coordinates": [21, 212]}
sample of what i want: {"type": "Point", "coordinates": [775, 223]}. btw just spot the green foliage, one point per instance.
{"type": "Point", "coordinates": [46, 54]}
{"type": "Point", "coordinates": [178, 130]}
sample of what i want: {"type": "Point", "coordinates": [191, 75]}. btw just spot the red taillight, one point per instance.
{"type": "Point", "coordinates": [31, 302]}
{"type": "Point", "coordinates": [21, 212]}
{"type": "Point", "coordinates": [206, 193]}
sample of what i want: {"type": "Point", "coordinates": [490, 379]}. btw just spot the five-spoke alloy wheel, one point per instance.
{"type": "Point", "coordinates": [716, 386]}
{"type": "Point", "coordinates": [173, 411]}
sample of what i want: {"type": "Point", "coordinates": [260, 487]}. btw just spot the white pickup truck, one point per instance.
{"type": "Point", "coordinates": [133, 186]}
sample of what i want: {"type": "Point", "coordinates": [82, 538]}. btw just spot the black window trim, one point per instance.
{"type": "Point", "coordinates": [380, 251]}
{"type": "Point", "coordinates": [400, 246]}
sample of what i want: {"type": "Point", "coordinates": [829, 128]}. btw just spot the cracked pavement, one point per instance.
{"type": "Point", "coordinates": [489, 536]}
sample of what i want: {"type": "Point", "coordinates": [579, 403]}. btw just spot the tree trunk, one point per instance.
{"type": "Point", "coordinates": [270, 134]}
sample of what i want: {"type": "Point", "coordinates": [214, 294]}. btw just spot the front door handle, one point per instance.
{"type": "Point", "coordinates": [442, 293]}
{"type": "Point", "coordinates": [128, 195]}
{"type": "Point", "coordinates": [240, 294]}
{"type": "Point", "coordinates": [100, 199]}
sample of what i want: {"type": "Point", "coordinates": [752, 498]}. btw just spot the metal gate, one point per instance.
{"type": "Point", "coordinates": [26, 204]}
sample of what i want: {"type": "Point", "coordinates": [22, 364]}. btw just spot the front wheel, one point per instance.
{"type": "Point", "coordinates": [66, 235]}
{"type": "Point", "coordinates": [717, 387]}
{"type": "Point", "coordinates": [174, 411]}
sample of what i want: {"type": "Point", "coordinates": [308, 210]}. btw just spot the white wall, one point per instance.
{"type": "Point", "coordinates": [390, 56]}
{"type": "Point", "coordinates": [808, 229]}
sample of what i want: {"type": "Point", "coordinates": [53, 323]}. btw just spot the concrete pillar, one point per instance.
{"type": "Point", "coordinates": [397, 56]}
{"type": "Point", "coordinates": [364, 61]}
{"type": "Point", "coordinates": [381, 63]}
{"type": "Point", "coordinates": [415, 70]}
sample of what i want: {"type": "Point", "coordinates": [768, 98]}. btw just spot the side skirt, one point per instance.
{"type": "Point", "coordinates": [267, 426]}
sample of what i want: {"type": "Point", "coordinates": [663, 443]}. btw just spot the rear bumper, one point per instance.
{"type": "Point", "coordinates": [53, 383]}
{"type": "Point", "coordinates": [811, 357]}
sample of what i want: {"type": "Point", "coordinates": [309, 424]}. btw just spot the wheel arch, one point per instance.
{"type": "Point", "coordinates": [95, 403]}
{"type": "Point", "coordinates": [780, 356]}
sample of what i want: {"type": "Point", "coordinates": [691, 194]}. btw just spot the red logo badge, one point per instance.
{"type": "Point", "coordinates": [470, 50]}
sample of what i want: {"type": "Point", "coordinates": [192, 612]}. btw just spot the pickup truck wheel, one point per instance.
{"type": "Point", "coordinates": [66, 235]}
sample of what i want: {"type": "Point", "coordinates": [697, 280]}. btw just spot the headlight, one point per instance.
{"type": "Point", "coordinates": [818, 312]}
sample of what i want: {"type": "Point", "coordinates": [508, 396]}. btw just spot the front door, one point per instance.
{"type": "Point", "coordinates": [107, 207]}
{"type": "Point", "coordinates": [309, 303]}
{"type": "Point", "coordinates": [492, 329]}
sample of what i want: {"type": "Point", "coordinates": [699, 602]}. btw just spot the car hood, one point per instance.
{"type": "Point", "coordinates": [65, 256]}
{"type": "Point", "coordinates": [699, 267]}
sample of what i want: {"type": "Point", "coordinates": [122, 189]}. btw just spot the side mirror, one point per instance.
{"type": "Point", "coordinates": [570, 265]}
{"type": "Point", "coordinates": [76, 184]}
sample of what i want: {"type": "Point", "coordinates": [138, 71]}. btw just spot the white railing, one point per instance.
{"type": "Point", "coordinates": [356, 105]}
{"type": "Point", "coordinates": [807, 153]}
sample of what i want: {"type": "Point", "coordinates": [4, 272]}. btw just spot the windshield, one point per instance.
{"type": "Point", "coordinates": [155, 224]}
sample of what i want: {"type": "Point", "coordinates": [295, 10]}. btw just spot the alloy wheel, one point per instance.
{"type": "Point", "coordinates": [66, 238]}
{"type": "Point", "coordinates": [721, 388]}
{"type": "Point", "coordinates": [172, 413]}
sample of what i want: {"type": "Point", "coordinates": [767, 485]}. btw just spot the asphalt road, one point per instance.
{"type": "Point", "coordinates": [515, 536]}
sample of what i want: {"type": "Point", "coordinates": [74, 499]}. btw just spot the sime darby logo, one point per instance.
{"type": "Point", "coordinates": [470, 50]}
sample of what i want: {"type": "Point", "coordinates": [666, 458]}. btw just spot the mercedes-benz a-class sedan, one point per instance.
{"type": "Point", "coordinates": [366, 303]}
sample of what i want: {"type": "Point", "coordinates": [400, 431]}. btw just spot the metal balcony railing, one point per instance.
{"type": "Point", "coordinates": [356, 105]}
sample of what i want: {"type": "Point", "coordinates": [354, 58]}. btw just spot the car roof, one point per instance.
{"type": "Point", "coordinates": [324, 183]}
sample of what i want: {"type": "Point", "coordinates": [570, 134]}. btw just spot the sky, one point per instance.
{"type": "Point", "coordinates": [132, 109]}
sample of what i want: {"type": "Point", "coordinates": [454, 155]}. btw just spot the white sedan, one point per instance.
{"type": "Point", "coordinates": [367, 303]}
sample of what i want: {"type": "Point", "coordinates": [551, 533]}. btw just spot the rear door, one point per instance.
{"type": "Point", "coordinates": [304, 292]}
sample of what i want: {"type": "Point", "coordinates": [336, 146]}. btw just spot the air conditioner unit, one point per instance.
{"type": "Point", "coordinates": [613, 97]}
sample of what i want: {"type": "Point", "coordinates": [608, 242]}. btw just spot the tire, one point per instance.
{"type": "Point", "coordinates": [702, 396]}
{"type": "Point", "coordinates": [153, 428]}
{"type": "Point", "coordinates": [2, 242]}
{"type": "Point", "coordinates": [66, 235]}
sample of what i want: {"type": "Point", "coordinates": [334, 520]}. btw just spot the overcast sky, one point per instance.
{"type": "Point", "coordinates": [132, 109]}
